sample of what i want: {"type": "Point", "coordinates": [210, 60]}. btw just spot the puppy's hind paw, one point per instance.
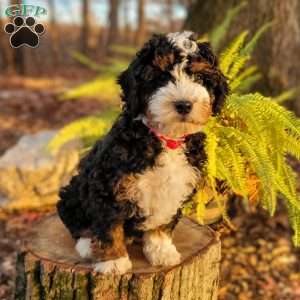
{"type": "Point", "coordinates": [117, 266]}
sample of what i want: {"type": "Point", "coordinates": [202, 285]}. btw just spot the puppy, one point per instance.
{"type": "Point", "coordinates": [134, 182]}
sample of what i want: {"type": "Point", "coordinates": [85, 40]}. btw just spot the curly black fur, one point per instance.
{"type": "Point", "coordinates": [211, 77]}
{"type": "Point", "coordinates": [195, 152]}
{"type": "Point", "coordinates": [89, 202]}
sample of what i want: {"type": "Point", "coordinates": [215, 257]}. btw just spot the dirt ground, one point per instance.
{"type": "Point", "coordinates": [258, 260]}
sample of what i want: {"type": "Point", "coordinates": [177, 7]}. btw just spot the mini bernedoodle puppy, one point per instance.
{"type": "Point", "coordinates": [134, 182]}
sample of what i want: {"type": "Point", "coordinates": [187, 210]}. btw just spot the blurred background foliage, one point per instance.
{"type": "Point", "coordinates": [103, 34]}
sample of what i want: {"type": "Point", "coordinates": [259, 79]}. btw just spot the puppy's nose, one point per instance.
{"type": "Point", "coordinates": [183, 107]}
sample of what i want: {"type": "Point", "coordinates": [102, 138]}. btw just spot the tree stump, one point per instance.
{"type": "Point", "coordinates": [49, 268]}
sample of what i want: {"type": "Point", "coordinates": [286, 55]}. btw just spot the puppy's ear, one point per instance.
{"type": "Point", "coordinates": [207, 64]}
{"type": "Point", "coordinates": [206, 53]}
{"type": "Point", "coordinates": [149, 62]}
{"type": "Point", "coordinates": [133, 77]}
{"type": "Point", "coordinates": [220, 90]}
{"type": "Point", "coordinates": [128, 85]}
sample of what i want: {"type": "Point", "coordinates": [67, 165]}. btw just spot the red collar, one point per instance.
{"type": "Point", "coordinates": [168, 142]}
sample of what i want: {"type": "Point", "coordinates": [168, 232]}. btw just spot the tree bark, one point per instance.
{"type": "Point", "coordinates": [7, 57]}
{"type": "Point", "coordinates": [141, 26]}
{"type": "Point", "coordinates": [85, 29]}
{"type": "Point", "coordinates": [49, 268]}
{"type": "Point", "coordinates": [19, 53]}
{"type": "Point", "coordinates": [277, 53]}
{"type": "Point", "coordinates": [169, 14]}
{"type": "Point", "coordinates": [113, 32]}
{"type": "Point", "coordinates": [55, 41]}
{"type": "Point", "coordinates": [127, 36]}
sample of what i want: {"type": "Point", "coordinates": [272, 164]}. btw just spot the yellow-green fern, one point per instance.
{"type": "Point", "coordinates": [257, 144]}
{"type": "Point", "coordinates": [88, 130]}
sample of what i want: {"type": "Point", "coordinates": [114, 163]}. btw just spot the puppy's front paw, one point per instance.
{"type": "Point", "coordinates": [159, 250]}
{"type": "Point", "coordinates": [83, 247]}
{"type": "Point", "coordinates": [117, 266]}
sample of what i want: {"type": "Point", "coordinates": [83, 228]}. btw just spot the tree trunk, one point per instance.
{"type": "Point", "coordinates": [169, 15]}
{"type": "Point", "coordinates": [55, 42]}
{"type": "Point", "coordinates": [7, 58]}
{"type": "Point", "coordinates": [85, 29]}
{"type": "Point", "coordinates": [141, 26]}
{"type": "Point", "coordinates": [213, 10]}
{"type": "Point", "coordinates": [113, 32]}
{"type": "Point", "coordinates": [127, 28]}
{"type": "Point", "coordinates": [19, 53]}
{"type": "Point", "coordinates": [277, 53]}
{"type": "Point", "coordinates": [49, 268]}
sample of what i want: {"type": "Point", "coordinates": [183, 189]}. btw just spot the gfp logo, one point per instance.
{"type": "Point", "coordinates": [24, 30]}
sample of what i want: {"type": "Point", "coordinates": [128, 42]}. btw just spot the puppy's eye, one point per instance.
{"type": "Point", "coordinates": [199, 79]}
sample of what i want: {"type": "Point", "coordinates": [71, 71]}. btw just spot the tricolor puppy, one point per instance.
{"type": "Point", "coordinates": [134, 182]}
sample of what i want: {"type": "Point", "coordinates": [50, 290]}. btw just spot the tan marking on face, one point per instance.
{"type": "Point", "coordinates": [164, 61]}
{"type": "Point", "coordinates": [199, 66]}
{"type": "Point", "coordinates": [201, 111]}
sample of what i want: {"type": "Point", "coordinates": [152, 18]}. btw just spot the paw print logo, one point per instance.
{"type": "Point", "coordinates": [24, 32]}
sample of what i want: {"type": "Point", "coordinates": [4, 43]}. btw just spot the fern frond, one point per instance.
{"type": "Point", "coordinates": [101, 88]}
{"type": "Point", "coordinates": [216, 36]}
{"type": "Point", "coordinates": [249, 47]}
{"type": "Point", "coordinates": [86, 61]}
{"type": "Point", "coordinates": [114, 67]}
{"type": "Point", "coordinates": [286, 192]}
{"type": "Point", "coordinates": [211, 143]}
{"type": "Point", "coordinates": [229, 55]}
{"type": "Point", "coordinates": [88, 130]}
{"type": "Point", "coordinates": [231, 167]}
{"type": "Point", "coordinates": [258, 158]}
{"type": "Point", "coordinates": [248, 83]}
{"type": "Point", "coordinates": [261, 105]}
{"type": "Point", "coordinates": [294, 218]}
{"type": "Point", "coordinates": [238, 64]}
{"type": "Point", "coordinates": [293, 211]}
{"type": "Point", "coordinates": [268, 200]}
{"type": "Point", "coordinates": [234, 58]}
{"type": "Point", "coordinates": [286, 95]}
{"type": "Point", "coordinates": [236, 106]}
{"type": "Point", "coordinates": [201, 199]}
{"type": "Point", "coordinates": [236, 82]}
{"type": "Point", "coordinates": [123, 50]}
{"type": "Point", "coordinates": [291, 144]}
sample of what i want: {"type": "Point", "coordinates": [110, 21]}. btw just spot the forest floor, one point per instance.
{"type": "Point", "coordinates": [258, 260]}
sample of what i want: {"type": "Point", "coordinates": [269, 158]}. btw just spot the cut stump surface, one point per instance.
{"type": "Point", "coordinates": [50, 268]}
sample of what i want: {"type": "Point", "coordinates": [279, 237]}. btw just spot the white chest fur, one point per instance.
{"type": "Point", "coordinates": [162, 190]}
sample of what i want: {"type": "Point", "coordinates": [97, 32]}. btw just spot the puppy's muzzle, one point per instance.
{"type": "Point", "coordinates": [183, 107]}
